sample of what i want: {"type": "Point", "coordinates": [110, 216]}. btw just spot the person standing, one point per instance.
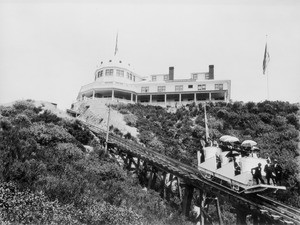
{"type": "Point", "coordinates": [256, 172]}
{"type": "Point", "coordinates": [278, 172]}
{"type": "Point", "coordinates": [219, 161]}
{"type": "Point", "coordinates": [237, 168]}
{"type": "Point", "coordinates": [269, 170]}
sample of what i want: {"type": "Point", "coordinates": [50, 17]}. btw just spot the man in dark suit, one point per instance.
{"type": "Point", "coordinates": [256, 172]}
{"type": "Point", "coordinates": [278, 172]}
{"type": "Point", "coordinates": [269, 172]}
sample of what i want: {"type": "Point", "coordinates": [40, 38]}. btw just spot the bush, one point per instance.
{"type": "Point", "coordinates": [130, 119]}
{"type": "Point", "coordinates": [26, 207]}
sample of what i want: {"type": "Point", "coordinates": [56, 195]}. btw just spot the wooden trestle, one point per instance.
{"type": "Point", "coordinates": [174, 179]}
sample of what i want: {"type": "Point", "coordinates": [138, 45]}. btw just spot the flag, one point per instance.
{"type": "Point", "coordinates": [116, 48]}
{"type": "Point", "coordinates": [266, 59]}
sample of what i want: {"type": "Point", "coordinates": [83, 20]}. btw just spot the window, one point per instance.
{"type": "Point", "coordinates": [179, 88]}
{"type": "Point", "coordinates": [133, 78]}
{"type": "Point", "coordinates": [161, 88]}
{"type": "Point", "coordinates": [109, 72]}
{"type": "Point", "coordinates": [190, 86]}
{"type": "Point", "coordinates": [218, 86]}
{"type": "Point", "coordinates": [195, 76]}
{"type": "Point", "coordinates": [130, 76]}
{"type": "Point", "coordinates": [201, 87]}
{"type": "Point", "coordinates": [153, 78]}
{"type": "Point", "coordinates": [145, 89]}
{"type": "Point", "coordinates": [207, 77]}
{"type": "Point", "coordinates": [120, 73]}
{"type": "Point", "coordinates": [100, 73]}
{"type": "Point", "coordinates": [166, 77]}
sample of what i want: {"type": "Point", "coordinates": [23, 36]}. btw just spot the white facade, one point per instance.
{"type": "Point", "coordinates": [115, 80]}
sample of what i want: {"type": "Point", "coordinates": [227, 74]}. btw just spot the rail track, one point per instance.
{"type": "Point", "coordinates": [274, 210]}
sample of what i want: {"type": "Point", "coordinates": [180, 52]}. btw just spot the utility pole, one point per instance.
{"type": "Point", "coordinates": [107, 130]}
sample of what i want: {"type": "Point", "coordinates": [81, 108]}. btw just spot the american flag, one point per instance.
{"type": "Point", "coordinates": [266, 59]}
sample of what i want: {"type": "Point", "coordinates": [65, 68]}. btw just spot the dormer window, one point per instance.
{"type": "Point", "coordinates": [109, 72]}
{"type": "Point", "coordinates": [166, 77]}
{"type": "Point", "coordinates": [100, 73]}
{"type": "Point", "coordinates": [153, 78]}
{"type": "Point", "coordinates": [120, 73]}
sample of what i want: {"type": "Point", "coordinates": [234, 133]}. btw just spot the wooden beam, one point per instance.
{"type": "Point", "coordinates": [187, 200]}
{"type": "Point", "coordinates": [179, 188]}
{"type": "Point", "coordinates": [255, 220]}
{"type": "Point", "coordinates": [152, 185]}
{"type": "Point", "coordinates": [219, 211]}
{"type": "Point", "coordinates": [205, 215]}
{"type": "Point", "coordinates": [168, 189]}
{"type": "Point", "coordinates": [150, 179]}
{"type": "Point", "coordinates": [203, 199]}
{"type": "Point", "coordinates": [162, 185]}
{"type": "Point", "coordinates": [241, 215]}
{"type": "Point", "coordinates": [138, 165]}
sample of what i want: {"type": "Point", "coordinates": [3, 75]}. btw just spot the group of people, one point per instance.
{"type": "Point", "coordinates": [273, 172]}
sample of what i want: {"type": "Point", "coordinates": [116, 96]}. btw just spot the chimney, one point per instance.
{"type": "Point", "coordinates": [171, 73]}
{"type": "Point", "coordinates": [211, 72]}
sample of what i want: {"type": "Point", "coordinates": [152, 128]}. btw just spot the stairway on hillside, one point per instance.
{"type": "Point", "coordinates": [95, 111]}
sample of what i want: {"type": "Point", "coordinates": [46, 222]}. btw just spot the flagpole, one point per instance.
{"type": "Point", "coordinates": [268, 96]}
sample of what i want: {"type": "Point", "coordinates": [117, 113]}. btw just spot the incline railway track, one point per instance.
{"type": "Point", "coordinates": [267, 206]}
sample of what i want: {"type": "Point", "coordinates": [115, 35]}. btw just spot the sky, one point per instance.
{"type": "Point", "coordinates": [49, 49]}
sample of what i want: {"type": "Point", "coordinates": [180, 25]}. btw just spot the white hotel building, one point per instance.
{"type": "Point", "coordinates": [115, 81]}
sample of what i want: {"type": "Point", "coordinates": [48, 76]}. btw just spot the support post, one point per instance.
{"type": "Point", "coordinates": [219, 211]}
{"type": "Point", "coordinates": [255, 219]}
{"type": "Point", "coordinates": [165, 99]}
{"type": "Point", "coordinates": [162, 185]}
{"type": "Point", "coordinates": [138, 165]}
{"type": "Point", "coordinates": [152, 185]}
{"type": "Point", "coordinates": [129, 163]}
{"type": "Point", "coordinates": [150, 179]}
{"type": "Point", "coordinates": [240, 216]}
{"type": "Point", "coordinates": [179, 188]}
{"type": "Point", "coordinates": [112, 95]}
{"type": "Point", "coordinates": [180, 99]}
{"type": "Point", "coordinates": [168, 189]}
{"type": "Point", "coordinates": [107, 129]}
{"type": "Point", "coordinates": [203, 198]}
{"type": "Point", "coordinates": [187, 200]}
